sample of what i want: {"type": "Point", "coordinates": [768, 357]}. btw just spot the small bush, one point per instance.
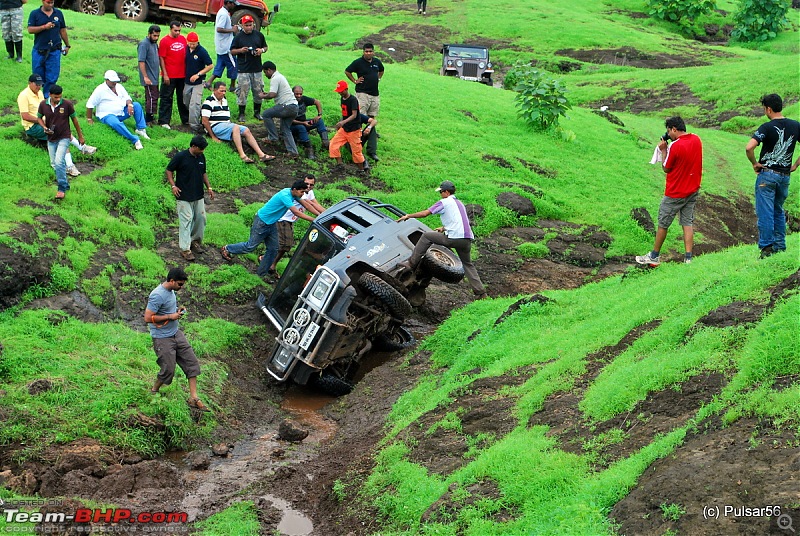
{"type": "Point", "coordinates": [681, 12]}
{"type": "Point", "coordinates": [62, 278]}
{"type": "Point", "coordinates": [540, 98]}
{"type": "Point", "coordinates": [533, 250]}
{"type": "Point", "coordinates": [760, 20]}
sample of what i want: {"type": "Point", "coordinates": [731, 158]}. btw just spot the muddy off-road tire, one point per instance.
{"type": "Point", "coordinates": [331, 384]}
{"type": "Point", "coordinates": [135, 10]}
{"type": "Point", "coordinates": [443, 264]}
{"type": "Point", "coordinates": [91, 7]}
{"type": "Point", "coordinates": [395, 341]}
{"type": "Point", "coordinates": [395, 302]}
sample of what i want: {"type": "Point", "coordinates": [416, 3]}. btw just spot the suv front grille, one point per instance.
{"type": "Point", "coordinates": [471, 69]}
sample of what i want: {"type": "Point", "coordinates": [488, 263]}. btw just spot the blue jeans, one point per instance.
{"type": "Point", "coordinates": [259, 232]}
{"type": "Point", "coordinates": [48, 66]}
{"type": "Point", "coordinates": [286, 113]}
{"type": "Point", "coordinates": [58, 153]}
{"type": "Point", "coordinates": [772, 189]}
{"type": "Point", "coordinates": [301, 131]}
{"type": "Point", "coordinates": [116, 122]}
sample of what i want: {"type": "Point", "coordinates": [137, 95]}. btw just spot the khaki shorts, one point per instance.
{"type": "Point", "coordinates": [677, 206]}
{"type": "Point", "coordinates": [175, 350]}
{"type": "Point", "coordinates": [368, 104]}
{"type": "Point", "coordinates": [285, 236]}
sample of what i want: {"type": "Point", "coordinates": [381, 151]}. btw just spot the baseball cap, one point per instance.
{"type": "Point", "coordinates": [192, 37]}
{"type": "Point", "coordinates": [36, 78]}
{"type": "Point", "coordinates": [234, 2]}
{"type": "Point", "coordinates": [341, 85]}
{"type": "Point", "coordinates": [111, 76]}
{"type": "Point", "coordinates": [446, 185]}
{"type": "Point", "coordinates": [246, 19]}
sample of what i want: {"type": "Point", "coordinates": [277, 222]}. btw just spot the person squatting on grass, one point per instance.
{"type": "Point", "coordinates": [777, 138]}
{"type": "Point", "coordinates": [302, 126]}
{"type": "Point", "coordinates": [264, 228]}
{"type": "Point", "coordinates": [149, 66]}
{"type": "Point", "coordinates": [50, 43]}
{"type": "Point", "coordinates": [455, 233]}
{"type": "Point", "coordinates": [54, 116]}
{"type": "Point", "coordinates": [187, 175]}
{"type": "Point", "coordinates": [112, 105]}
{"type": "Point", "coordinates": [348, 130]}
{"type": "Point", "coordinates": [285, 108]}
{"type": "Point", "coordinates": [169, 342]}
{"type": "Point", "coordinates": [28, 103]}
{"type": "Point", "coordinates": [198, 63]}
{"type": "Point", "coordinates": [286, 224]}
{"type": "Point", "coordinates": [11, 22]}
{"type": "Point", "coordinates": [683, 164]}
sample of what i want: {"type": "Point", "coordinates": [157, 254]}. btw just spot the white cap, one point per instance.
{"type": "Point", "coordinates": [111, 76]}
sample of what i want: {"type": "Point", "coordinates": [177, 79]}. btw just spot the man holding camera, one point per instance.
{"type": "Point", "coordinates": [683, 164]}
{"type": "Point", "coordinates": [248, 46]}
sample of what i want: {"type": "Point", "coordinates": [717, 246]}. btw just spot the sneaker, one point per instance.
{"type": "Point", "coordinates": [60, 195]}
{"type": "Point", "coordinates": [241, 118]}
{"type": "Point", "coordinates": [188, 255]}
{"type": "Point", "coordinates": [424, 12]}
{"type": "Point", "coordinates": [647, 259]}
{"type": "Point", "coordinates": [19, 59]}
{"type": "Point", "coordinates": [73, 171]}
{"type": "Point", "coordinates": [419, 12]}
{"type": "Point", "coordinates": [374, 157]}
{"type": "Point", "coordinates": [138, 145]}
{"type": "Point", "coordinates": [142, 133]}
{"type": "Point", "coordinates": [88, 149]}
{"type": "Point", "coordinates": [767, 252]}
{"type": "Point", "coordinates": [197, 247]}
{"type": "Point", "coordinates": [166, 125]}
{"type": "Point", "coordinates": [687, 261]}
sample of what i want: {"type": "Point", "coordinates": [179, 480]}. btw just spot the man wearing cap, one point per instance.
{"type": "Point", "coordinates": [217, 121]}
{"type": "Point", "coordinates": [224, 31]}
{"type": "Point", "coordinates": [264, 228]}
{"type": "Point", "coordinates": [172, 57]}
{"type": "Point", "coordinates": [28, 103]}
{"type": "Point", "coordinates": [53, 116]}
{"type": "Point", "coordinates": [348, 129]}
{"type": "Point", "coordinates": [198, 63]}
{"type": "Point", "coordinates": [248, 46]}
{"type": "Point", "coordinates": [51, 41]}
{"type": "Point", "coordinates": [366, 72]}
{"type": "Point", "coordinates": [457, 235]}
{"type": "Point", "coordinates": [112, 105]}
{"type": "Point", "coordinates": [149, 66]}
{"type": "Point", "coordinates": [285, 108]}
{"type": "Point", "coordinates": [186, 175]}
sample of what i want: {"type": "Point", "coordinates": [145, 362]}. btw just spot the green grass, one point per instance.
{"type": "Point", "coordinates": [239, 518]}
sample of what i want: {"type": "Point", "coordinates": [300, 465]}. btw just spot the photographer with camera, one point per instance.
{"type": "Point", "coordinates": [683, 164]}
{"type": "Point", "coordinates": [248, 46]}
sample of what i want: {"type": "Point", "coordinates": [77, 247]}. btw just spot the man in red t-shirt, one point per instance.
{"type": "Point", "coordinates": [172, 57]}
{"type": "Point", "coordinates": [683, 164]}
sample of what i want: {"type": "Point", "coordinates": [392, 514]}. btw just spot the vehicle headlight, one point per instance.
{"type": "Point", "coordinates": [291, 336]}
{"type": "Point", "coordinates": [282, 359]}
{"type": "Point", "coordinates": [302, 317]}
{"type": "Point", "coordinates": [459, 63]}
{"type": "Point", "coordinates": [449, 63]}
{"type": "Point", "coordinates": [489, 65]}
{"type": "Point", "coordinates": [322, 285]}
{"type": "Point", "coordinates": [482, 65]}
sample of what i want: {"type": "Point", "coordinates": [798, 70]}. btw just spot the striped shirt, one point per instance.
{"type": "Point", "coordinates": [216, 111]}
{"type": "Point", "coordinates": [454, 217]}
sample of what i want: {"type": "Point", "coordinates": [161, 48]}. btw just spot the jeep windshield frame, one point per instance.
{"type": "Point", "coordinates": [467, 52]}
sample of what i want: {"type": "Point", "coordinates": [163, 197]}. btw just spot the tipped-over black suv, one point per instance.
{"type": "Point", "coordinates": [343, 294]}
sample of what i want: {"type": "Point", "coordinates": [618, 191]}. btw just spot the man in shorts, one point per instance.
{"type": "Point", "coordinates": [683, 164]}
{"type": "Point", "coordinates": [169, 342]}
{"type": "Point", "coordinates": [286, 224]}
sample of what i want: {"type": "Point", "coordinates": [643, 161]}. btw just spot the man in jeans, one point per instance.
{"type": "Point", "coordinates": [187, 175]}
{"type": "Point", "coordinates": [683, 164]}
{"type": "Point", "coordinates": [264, 228]}
{"type": "Point", "coordinates": [112, 105]}
{"type": "Point", "coordinates": [285, 108]}
{"type": "Point", "coordinates": [172, 58]}
{"type": "Point", "coordinates": [778, 138]}
{"type": "Point", "coordinates": [54, 116]}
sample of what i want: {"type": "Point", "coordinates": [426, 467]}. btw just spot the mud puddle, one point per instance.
{"type": "Point", "coordinates": [293, 522]}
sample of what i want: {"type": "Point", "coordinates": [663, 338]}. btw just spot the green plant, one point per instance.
{"type": "Point", "coordinates": [540, 98]}
{"type": "Point", "coordinates": [62, 278]}
{"type": "Point", "coordinates": [682, 12]}
{"type": "Point", "coordinates": [672, 511]}
{"type": "Point", "coordinates": [533, 250]}
{"type": "Point", "coordinates": [760, 20]}
{"type": "Point", "coordinates": [339, 490]}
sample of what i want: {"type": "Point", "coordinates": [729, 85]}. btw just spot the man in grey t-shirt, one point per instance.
{"type": "Point", "coordinates": [149, 67]}
{"type": "Point", "coordinates": [169, 342]}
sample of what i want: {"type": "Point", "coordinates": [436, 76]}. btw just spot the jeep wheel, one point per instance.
{"type": "Point", "coordinates": [398, 339]}
{"type": "Point", "coordinates": [135, 10]}
{"type": "Point", "coordinates": [443, 264]}
{"type": "Point", "coordinates": [91, 7]}
{"type": "Point", "coordinates": [331, 384]}
{"type": "Point", "coordinates": [395, 302]}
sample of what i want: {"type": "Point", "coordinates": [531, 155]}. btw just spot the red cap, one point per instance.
{"type": "Point", "coordinates": [192, 37]}
{"type": "Point", "coordinates": [246, 19]}
{"type": "Point", "coordinates": [341, 85]}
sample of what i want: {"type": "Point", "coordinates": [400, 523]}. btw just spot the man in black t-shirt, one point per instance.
{"type": "Point", "coordinates": [301, 125]}
{"type": "Point", "coordinates": [366, 72]}
{"type": "Point", "coordinates": [348, 129]}
{"type": "Point", "coordinates": [186, 174]}
{"type": "Point", "coordinates": [248, 46]}
{"type": "Point", "coordinates": [778, 138]}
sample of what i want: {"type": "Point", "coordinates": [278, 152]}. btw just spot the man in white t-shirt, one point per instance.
{"type": "Point", "coordinates": [223, 37]}
{"type": "Point", "coordinates": [455, 233]}
{"type": "Point", "coordinates": [112, 105]}
{"type": "Point", "coordinates": [286, 224]}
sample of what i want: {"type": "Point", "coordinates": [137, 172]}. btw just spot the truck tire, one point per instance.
{"type": "Point", "coordinates": [398, 339]}
{"type": "Point", "coordinates": [237, 17]}
{"type": "Point", "coordinates": [135, 10]}
{"type": "Point", "coordinates": [443, 264]}
{"type": "Point", "coordinates": [395, 302]}
{"type": "Point", "coordinates": [91, 7]}
{"type": "Point", "coordinates": [331, 384]}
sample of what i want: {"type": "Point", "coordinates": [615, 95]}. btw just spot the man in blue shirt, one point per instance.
{"type": "Point", "coordinates": [51, 41]}
{"type": "Point", "coordinates": [264, 228]}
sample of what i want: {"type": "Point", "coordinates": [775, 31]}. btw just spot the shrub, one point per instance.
{"type": "Point", "coordinates": [533, 250]}
{"type": "Point", "coordinates": [540, 98]}
{"type": "Point", "coordinates": [62, 278]}
{"type": "Point", "coordinates": [760, 20]}
{"type": "Point", "coordinates": [681, 12]}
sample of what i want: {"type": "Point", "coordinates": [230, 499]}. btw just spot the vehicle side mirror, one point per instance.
{"type": "Point", "coordinates": [276, 8]}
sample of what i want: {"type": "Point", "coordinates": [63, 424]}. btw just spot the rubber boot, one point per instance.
{"type": "Point", "coordinates": [10, 49]}
{"type": "Point", "coordinates": [241, 114]}
{"type": "Point", "coordinates": [257, 111]}
{"type": "Point", "coordinates": [326, 143]}
{"type": "Point", "coordinates": [18, 46]}
{"type": "Point", "coordinates": [310, 151]}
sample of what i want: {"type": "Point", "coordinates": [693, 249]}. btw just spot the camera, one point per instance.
{"type": "Point", "coordinates": [665, 137]}
{"type": "Point", "coordinates": [252, 50]}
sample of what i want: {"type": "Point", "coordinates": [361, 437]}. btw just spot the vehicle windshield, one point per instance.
{"type": "Point", "coordinates": [474, 53]}
{"type": "Point", "coordinates": [315, 250]}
